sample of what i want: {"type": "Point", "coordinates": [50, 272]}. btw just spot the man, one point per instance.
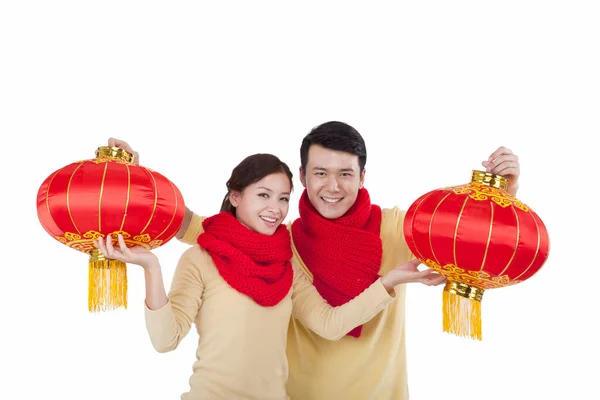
{"type": "Point", "coordinates": [343, 243]}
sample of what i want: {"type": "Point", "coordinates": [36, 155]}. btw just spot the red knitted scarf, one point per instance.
{"type": "Point", "coordinates": [344, 254]}
{"type": "Point", "coordinates": [254, 264]}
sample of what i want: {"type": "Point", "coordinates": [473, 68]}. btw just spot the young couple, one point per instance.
{"type": "Point", "coordinates": [323, 296]}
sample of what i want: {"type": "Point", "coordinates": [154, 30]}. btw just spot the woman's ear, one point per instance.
{"type": "Point", "coordinates": [235, 198]}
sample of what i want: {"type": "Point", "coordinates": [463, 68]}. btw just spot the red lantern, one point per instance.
{"type": "Point", "coordinates": [479, 237]}
{"type": "Point", "coordinates": [103, 197]}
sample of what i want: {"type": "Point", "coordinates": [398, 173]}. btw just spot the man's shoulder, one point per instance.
{"type": "Point", "coordinates": [392, 214]}
{"type": "Point", "coordinates": [392, 224]}
{"type": "Point", "coordinates": [392, 236]}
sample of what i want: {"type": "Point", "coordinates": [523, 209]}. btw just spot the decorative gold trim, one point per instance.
{"type": "Point", "coordinates": [485, 178]}
{"type": "Point", "coordinates": [114, 153]}
{"type": "Point", "coordinates": [85, 242]}
{"type": "Point", "coordinates": [479, 192]}
{"type": "Point", "coordinates": [480, 279]}
{"type": "Point", "coordinates": [464, 290]}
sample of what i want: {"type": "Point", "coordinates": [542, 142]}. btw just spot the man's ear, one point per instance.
{"type": "Point", "coordinates": [362, 178]}
{"type": "Point", "coordinates": [302, 176]}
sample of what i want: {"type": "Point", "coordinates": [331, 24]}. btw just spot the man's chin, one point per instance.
{"type": "Point", "coordinates": [328, 212]}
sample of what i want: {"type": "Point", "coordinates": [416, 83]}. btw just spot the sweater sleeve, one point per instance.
{"type": "Point", "coordinates": [168, 325]}
{"type": "Point", "coordinates": [194, 230]}
{"type": "Point", "coordinates": [333, 323]}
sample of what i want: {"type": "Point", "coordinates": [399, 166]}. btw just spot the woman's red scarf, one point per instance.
{"type": "Point", "coordinates": [254, 264]}
{"type": "Point", "coordinates": [344, 254]}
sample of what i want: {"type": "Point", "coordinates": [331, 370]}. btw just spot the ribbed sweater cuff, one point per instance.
{"type": "Point", "coordinates": [191, 234]}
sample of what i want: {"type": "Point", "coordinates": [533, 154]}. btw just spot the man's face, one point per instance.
{"type": "Point", "coordinates": [332, 180]}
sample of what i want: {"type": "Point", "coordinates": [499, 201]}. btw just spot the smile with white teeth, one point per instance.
{"type": "Point", "coordinates": [331, 199]}
{"type": "Point", "coordinates": [269, 219]}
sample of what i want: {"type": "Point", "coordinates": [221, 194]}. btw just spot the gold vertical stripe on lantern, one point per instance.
{"type": "Point", "coordinates": [107, 289]}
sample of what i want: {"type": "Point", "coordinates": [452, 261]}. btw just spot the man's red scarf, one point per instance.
{"type": "Point", "coordinates": [344, 254]}
{"type": "Point", "coordinates": [254, 264]}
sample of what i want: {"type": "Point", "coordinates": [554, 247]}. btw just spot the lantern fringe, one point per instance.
{"type": "Point", "coordinates": [461, 315]}
{"type": "Point", "coordinates": [107, 286]}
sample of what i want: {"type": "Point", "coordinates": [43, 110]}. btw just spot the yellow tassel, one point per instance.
{"type": "Point", "coordinates": [107, 283]}
{"type": "Point", "coordinates": [461, 308]}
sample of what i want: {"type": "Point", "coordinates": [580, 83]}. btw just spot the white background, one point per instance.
{"type": "Point", "coordinates": [433, 86]}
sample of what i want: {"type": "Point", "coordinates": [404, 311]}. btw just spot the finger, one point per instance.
{"type": "Point", "coordinates": [499, 151]}
{"type": "Point", "coordinates": [491, 166]}
{"type": "Point", "coordinates": [414, 263]}
{"type": "Point", "coordinates": [105, 249]}
{"type": "Point", "coordinates": [435, 281]}
{"type": "Point", "coordinates": [109, 246]}
{"type": "Point", "coordinates": [431, 277]}
{"type": "Point", "coordinates": [422, 275]}
{"type": "Point", "coordinates": [507, 170]}
{"type": "Point", "coordinates": [511, 158]}
{"type": "Point", "coordinates": [123, 246]}
{"type": "Point", "coordinates": [112, 142]}
{"type": "Point", "coordinates": [100, 244]}
{"type": "Point", "coordinates": [136, 157]}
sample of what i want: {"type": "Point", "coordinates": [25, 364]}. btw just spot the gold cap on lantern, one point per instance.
{"type": "Point", "coordinates": [114, 152]}
{"type": "Point", "coordinates": [485, 178]}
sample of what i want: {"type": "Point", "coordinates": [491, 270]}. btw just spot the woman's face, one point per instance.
{"type": "Point", "coordinates": [263, 205]}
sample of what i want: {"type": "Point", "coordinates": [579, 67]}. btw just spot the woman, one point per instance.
{"type": "Point", "coordinates": [239, 288]}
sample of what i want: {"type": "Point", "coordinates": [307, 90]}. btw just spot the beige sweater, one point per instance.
{"type": "Point", "coordinates": [242, 346]}
{"type": "Point", "coordinates": [372, 367]}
